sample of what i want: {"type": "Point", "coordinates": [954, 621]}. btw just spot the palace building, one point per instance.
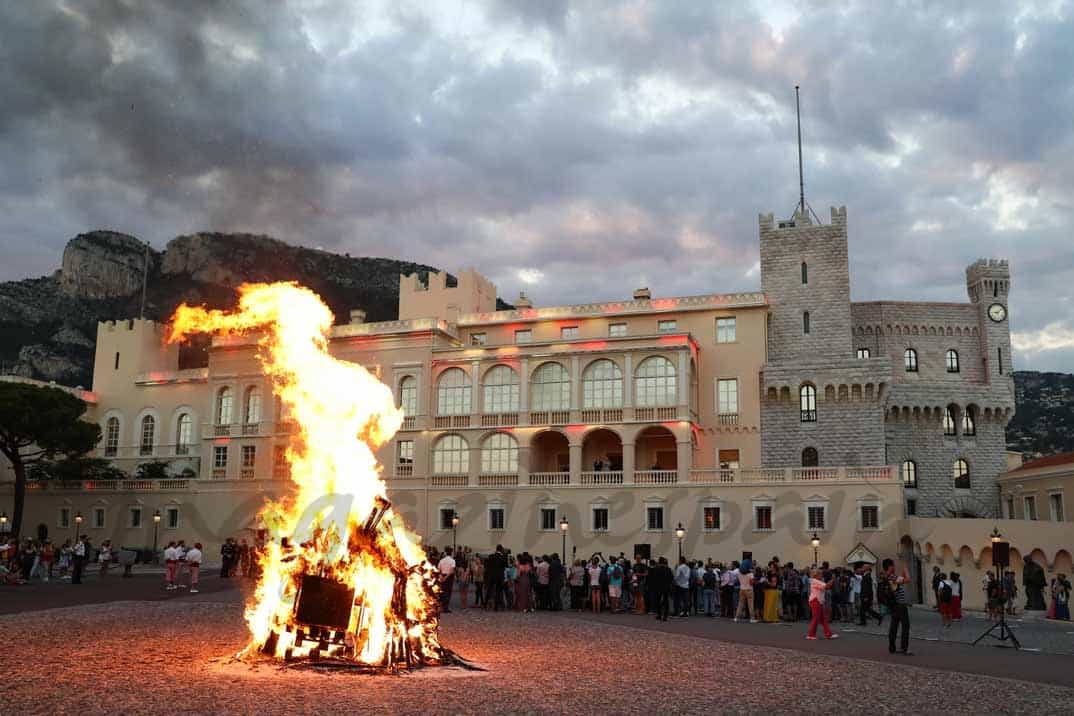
{"type": "Point", "coordinates": [758, 421]}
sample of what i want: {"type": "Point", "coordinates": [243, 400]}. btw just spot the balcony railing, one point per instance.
{"type": "Point", "coordinates": [222, 431]}
{"type": "Point", "coordinates": [508, 479]}
{"type": "Point", "coordinates": [219, 473]}
{"type": "Point", "coordinates": [246, 473]}
{"type": "Point", "coordinates": [449, 480]}
{"type": "Point", "coordinates": [410, 422]}
{"type": "Point", "coordinates": [656, 477]}
{"type": "Point", "coordinates": [497, 420]}
{"type": "Point", "coordinates": [651, 414]}
{"type": "Point", "coordinates": [602, 415]}
{"type": "Point", "coordinates": [602, 477]}
{"type": "Point", "coordinates": [550, 417]}
{"type": "Point", "coordinates": [451, 421]}
{"type": "Point", "coordinates": [550, 479]}
{"type": "Point", "coordinates": [728, 418]}
{"type": "Point", "coordinates": [404, 470]}
{"type": "Point", "coordinates": [106, 485]}
{"type": "Point", "coordinates": [251, 428]}
{"type": "Point", "coordinates": [754, 475]}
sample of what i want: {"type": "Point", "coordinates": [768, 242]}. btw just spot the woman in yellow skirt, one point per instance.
{"type": "Point", "coordinates": [771, 596]}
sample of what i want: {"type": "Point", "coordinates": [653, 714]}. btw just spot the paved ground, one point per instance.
{"type": "Point", "coordinates": [164, 653]}
{"type": "Point", "coordinates": [154, 657]}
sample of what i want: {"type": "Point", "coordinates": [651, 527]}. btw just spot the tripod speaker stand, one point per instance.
{"type": "Point", "coordinates": [1001, 552]}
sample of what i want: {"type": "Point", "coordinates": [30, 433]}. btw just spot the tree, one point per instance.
{"type": "Point", "coordinates": [153, 470]}
{"type": "Point", "coordinates": [39, 423]}
{"type": "Point", "coordinates": [75, 468]}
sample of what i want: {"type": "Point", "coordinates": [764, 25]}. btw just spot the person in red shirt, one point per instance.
{"type": "Point", "coordinates": [817, 588]}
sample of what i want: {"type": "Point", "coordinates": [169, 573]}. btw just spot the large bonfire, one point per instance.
{"type": "Point", "coordinates": [342, 577]}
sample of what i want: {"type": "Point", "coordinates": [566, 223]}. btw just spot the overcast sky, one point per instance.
{"type": "Point", "coordinates": [574, 150]}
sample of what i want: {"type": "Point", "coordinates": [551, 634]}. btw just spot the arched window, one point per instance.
{"type": "Point", "coordinates": [149, 429]}
{"type": "Point", "coordinates": [909, 473]}
{"type": "Point", "coordinates": [969, 423]}
{"type": "Point", "coordinates": [111, 437]}
{"type": "Point", "coordinates": [952, 361]}
{"type": "Point", "coordinates": [408, 395]}
{"type": "Point", "coordinates": [805, 322]}
{"type": "Point", "coordinates": [223, 406]}
{"type": "Point", "coordinates": [550, 388]}
{"type": "Point", "coordinates": [499, 453]}
{"type": "Point", "coordinates": [961, 473]}
{"type": "Point", "coordinates": [252, 406]}
{"type": "Point", "coordinates": [807, 399]}
{"type": "Point", "coordinates": [810, 458]}
{"type": "Point", "coordinates": [453, 392]}
{"type": "Point", "coordinates": [183, 429]}
{"type": "Point", "coordinates": [909, 360]}
{"type": "Point", "coordinates": [949, 421]}
{"type": "Point", "coordinates": [654, 382]}
{"type": "Point", "coordinates": [451, 456]}
{"type": "Point", "coordinates": [805, 273]}
{"type": "Point", "coordinates": [602, 385]}
{"type": "Point", "coordinates": [501, 390]}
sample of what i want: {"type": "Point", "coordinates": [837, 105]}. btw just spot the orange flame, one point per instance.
{"type": "Point", "coordinates": [343, 413]}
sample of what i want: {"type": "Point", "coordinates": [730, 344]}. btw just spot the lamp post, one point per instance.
{"type": "Point", "coordinates": [454, 531]}
{"type": "Point", "coordinates": [156, 524]}
{"type": "Point", "coordinates": [816, 543]}
{"type": "Point", "coordinates": [78, 523]}
{"type": "Point", "coordinates": [995, 536]}
{"type": "Point", "coordinates": [3, 522]}
{"type": "Point", "coordinates": [680, 532]}
{"type": "Point", "coordinates": [563, 527]}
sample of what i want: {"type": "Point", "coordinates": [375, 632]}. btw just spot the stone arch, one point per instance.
{"type": "Point", "coordinates": [855, 393]}
{"type": "Point", "coordinates": [965, 556]}
{"type": "Point", "coordinates": [772, 394]}
{"type": "Point", "coordinates": [966, 505]}
{"type": "Point", "coordinates": [844, 393]}
{"type": "Point", "coordinates": [1063, 562]}
{"type": "Point", "coordinates": [829, 392]}
{"type": "Point", "coordinates": [785, 393]}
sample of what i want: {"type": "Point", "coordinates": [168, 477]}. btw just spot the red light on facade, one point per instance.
{"type": "Point", "coordinates": [663, 303]}
{"type": "Point", "coordinates": [592, 345]}
{"type": "Point", "coordinates": [221, 441]}
{"type": "Point", "coordinates": [672, 340]}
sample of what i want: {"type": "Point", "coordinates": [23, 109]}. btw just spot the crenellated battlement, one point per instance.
{"type": "Point", "coordinates": [988, 278]}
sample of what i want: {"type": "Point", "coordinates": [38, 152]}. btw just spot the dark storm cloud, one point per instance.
{"type": "Point", "coordinates": [575, 150]}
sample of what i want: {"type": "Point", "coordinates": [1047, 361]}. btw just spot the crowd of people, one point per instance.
{"type": "Point", "coordinates": [23, 562]}
{"type": "Point", "coordinates": [739, 590]}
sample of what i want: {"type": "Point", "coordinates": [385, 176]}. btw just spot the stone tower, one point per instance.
{"type": "Point", "coordinates": [988, 282]}
{"type": "Point", "coordinates": [821, 405]}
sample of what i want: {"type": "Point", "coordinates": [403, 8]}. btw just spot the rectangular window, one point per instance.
{"type": "Point", "coordinates": [1056, 502]}
{"type": "Point", "coordinates": [171, 518]}
{"type": "Point", "coordinates": [911, 507]}
{"type": "Point", "coordinates": [666, 326]}
{"type": "Point", "coordinates": [220, 456]}
{"type": "Point", "coordinates": [870, 517]}
{"type": "Point", "coordinates": [525, 336]}
{"type": "Point", "coordinates": [762, 518]}
{"type": "Point", "coordinates": [816, 517]}
{"type": "Point", "coordinates": [249, 455]}
{"type": "Point", "coordinates": [654, 518]}
{"type": "Point", "coordinates": [98, 517]}
{"type": "Point", "coordinates": [568, 332]}
{"type": "Point", "coordinates": [600, 519]}
{"type": "Point", "coordinates": [863, 352]}
{"type": "Point", "coordinates": [728, 459]}
{"type": "Point", "coordinates": [406, 452]}
{"type": "Point", "coordinates": [495, 518]}
{"type": "Point", "coordinates": [1010, 508]}
{"type": "Point", "coordinates": [727, 396]}
{"type": "Point", "coordinates": [616, 330]}
{"type": "Point", "coordinates": [64, 518]}
{"type": "Point", "coordinates": [725, 330]}
{"type": "Point", "coordinates": [447, 515]}
{"type": "Point", "coordinates": [134, 517]}
{"type": "Point", "coordinates": [478, 339]}
{"type": "Point", "coordinates": [712, 518]}
{"type": "Point", "coordinates": [548, 518]}
{"type": "Point", "coordinates": [1030, 505]}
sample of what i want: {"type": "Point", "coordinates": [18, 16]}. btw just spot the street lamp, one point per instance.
{"type": "Point", "coordinates": [563, 527]}
{"type": "Point", "coordinates": [995, 536]}
{"type": "Point", "coordinates": [78, 523]}
{"type": "Point", "coordinates": [454, 531]}
{"type": "Point", "coordinates": [816, 543]}
{"type": "Point", "coordinates": [680, 532]}
{"type": "Point", "coordinates": [3, 522]}
{"type": "Point", "coordinates": [156, 524]}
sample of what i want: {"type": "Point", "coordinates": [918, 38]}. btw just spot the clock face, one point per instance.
{"type": "Point", "coordinates": [997, 312]}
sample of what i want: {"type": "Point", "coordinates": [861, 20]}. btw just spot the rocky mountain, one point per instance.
{"type": "Point", "coordinates": [50, 323]}
{"type": "Point", "coordinates": [1044, 423]}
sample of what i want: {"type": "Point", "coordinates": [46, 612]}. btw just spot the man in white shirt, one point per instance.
{"type": "Point", "coordinates": [171, 563]}
{"type": "Point", "coordinates": [682, 588]}
{"type": "Point", "coordinates": [745, 595]}
{"type": "Point", "coordinates": [446, 568]}
{"type": "Point", "coordinates": [80, 560]}
{"type": "Point", "coordinates": [193, 562]}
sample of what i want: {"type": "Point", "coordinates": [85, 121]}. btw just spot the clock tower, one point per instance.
{"type": "Point", "coordinates": [988, 283]}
